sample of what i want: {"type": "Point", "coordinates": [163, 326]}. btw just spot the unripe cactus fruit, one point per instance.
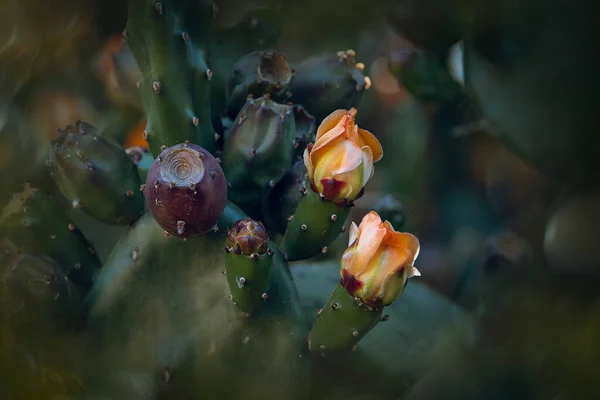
{"type": "Point", "coordinates": [248, 264]}
{"type": "Point", "coordinates": [97, 175]}
{"type": "Point", "coordinates": [259, 73]}
{"type": "Point", "coordinates": [186, 190]}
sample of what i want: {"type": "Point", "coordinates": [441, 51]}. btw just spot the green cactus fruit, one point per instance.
{"type": "Point", "coordinates": [169, 40]}
{"type": "Point", "coordinates": [168, 297]}
{"type": "Point", "coordinates": [248, 264]}
{"type": "Point", "coordinates": [186, 190]}
{"type": "Point", "coordinates": [306, 128]}
{"type": "Point", "coordinates": [282, 201]}
{"type": "Point", "coordinates": [34, 222]}
{"type": "Point", "coordinates": [342, 323]}
{"type": "Point", "coordinates": [258, 150]}
{"type": "Point", "coordinates": [422, 75]}
{"type": "Point", "coordinates": [36, 293]}
{"type": "Point", "coordinates": [315, 224]}
{"type": "Point", "coordinates": [142, 159]}
{"type": "Point", "coordinates": [96, 175]}
{"type": "Point", "coordinates": [256, 74]}
{"type": "Point", "coordinates": [329, 82]}
{"type": "Point", "coordinates": [391, 209]}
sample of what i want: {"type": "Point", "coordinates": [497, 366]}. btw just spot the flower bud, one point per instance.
{"type": "Point", "coordinates": [340, 162]}
{"type": "Point", "coordinates": [248, 236]}
{"type": "Point", "coordinates": [378, 261]}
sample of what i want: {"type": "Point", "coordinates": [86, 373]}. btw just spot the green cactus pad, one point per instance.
{"type": "Point", "coordinates": [161, 312]}
{"type": "Point", "coordinates": [169, 40]}
{"type": "Point", "coordinates": [258, 150]}
{"type": "Point", "coordinates": [328, 82]}
{"type": "Point", "coordinates": [248, 279]}
{"type": "Point", "coordinates": [96, 175]}
{"type": "Point", "coordinates": [34, 222]}
{"type": "Point", "coordinates": [341, 323]}
{"type": "Point", "coordinates": [423, 76]}
{"type": "Point", "coordinates": [314, 226]}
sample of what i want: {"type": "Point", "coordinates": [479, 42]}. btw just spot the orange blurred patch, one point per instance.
{"type": "Point", "coordinates": [135, 137]}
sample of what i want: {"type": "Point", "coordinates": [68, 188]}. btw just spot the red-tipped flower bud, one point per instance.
{"type": "Point", "coordinates": [186, 190]}
{"type": "Point", "coordinates": [248, 236]}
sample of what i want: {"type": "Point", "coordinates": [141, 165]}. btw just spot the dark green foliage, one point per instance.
{"type": "Point", "coordinates": [34, 222]}
{"type": "Point", "coordinates": [258, 150]}
{"type": "Point", "coordinates": [96, 175]}
{"type": "Point", "coordinates": [169, 40]}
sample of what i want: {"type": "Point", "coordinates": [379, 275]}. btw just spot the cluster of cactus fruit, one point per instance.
{"type": "Point", "coordinates": [270, 178]}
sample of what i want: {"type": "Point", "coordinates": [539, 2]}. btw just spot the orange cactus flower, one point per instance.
{"type": "Point", "coordinates": [340, 162]}
{"type": "Point", "coordinates": [378, 262]}
{"type": "Point", "coordinates": [135, 137]}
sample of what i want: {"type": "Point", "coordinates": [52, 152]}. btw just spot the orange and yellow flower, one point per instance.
{"type": "Point", "coordinates": [378, 262]}
{"type": "Point", "coordinates": [340, 162]}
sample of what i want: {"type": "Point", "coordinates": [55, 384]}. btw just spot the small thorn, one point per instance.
{"type": "Point", "coordinates": [335, 306]}
{"type": "Point", "coordinates": [129, 193]}
{"type": "Point", "coordinates": [229, 185]}
{"type": "Point", "coordinates": [90, 166]}
{"type": "Point", "coordinates": [217, 137]}
{"type": "Point", "coordinates": [142, 187]}
{"type": "Point", "coordinates": [368, 83]}
{"type": "Point", "coordinates": [135, 254]}
{"type": "Point", "coordinates": [343, 229]}
{"type": "Point", "coordinates": [355, 333]}
{"type": "Point", "coordinates": [296, 144]}
{"type": "Point", "coordinates": [145, 135]}
{"type": "Point", "coordinates": [71, 227]}
{"type": "Point", "coordinates": [180, 227]}
{"type": "Point", "coordinates": [241, 119]}
{"type": "Point", "coordinates": [195, 121]}
{"type": "Point", "coordinates": [163, 147]}
{"type": "Point", "coordinates": [218, 159]}
{"type": "Point", "coordinates": [290, 217]}
{"type": "Point", "coordinates": [224, 271]}
{"type": "Point", "coordinates": [270, 252]}
{"type": "Point", "coordinates": [231, 297]}
{"type": "Point", "coordinates": [213, 174]}
{"type": "Point", "coordinates": [215, 228]}
{"type": "Point", "coordinates": [192, 186]}
{"type": "Point", "coordinates": [254, 256]}
{"type": "Point", "coordinates": [157, 86]}
{"type": "Point", "coordinates": [77, 266]}
{"type": "Point", "coordinates": [322, 196]}
{"type": "Point", "coordinates": [253, 152]}
{"type": "Point", "coordinates": [159, 158]}
{"type": "Point", "coordinates": [272, 183]}
{"type": "Point", "coordinates": [304, 191]}
{"type": "Point", "coordinates": [209, 74]}
{"type": "Point", "coordinates": [241, 282]}
{"type": "Point", "coordinates": [91, 250]}
{"type": "Point", "coordinates": [75, 204]}
{"type": "Point", "coordinates": [322, 348]}
{"type": "Point", "coordinates": [333, 217]}
{"type": "Point", "coordinates": [360, 66]}
{"type": "Point", "coordinates": [26, 223]}
{"type": "Point", "coordinates": [324, 250]}
{"type": "Point", "coordinates": [158, 7]}
{"type": "Point", "coordinates": [264, 296]}
{"type": "Point", "coordinates": [303, 227]}
{"type": "Point", "coordinates": [228, 249]}
{"type": "Point", "coordinates": [385, 317]}
{"type": "Point", "coordinates": [79, 153]}
{"type": "Point", "coordinates": [171, 185]}
{"type": "Point", "coordinates": [201, 156]}
{"type": "Point", "coordinates": [52, 237]}
{"type": "Point", "coordinates": [185, 37]}
{"type": "Point", "coordinates": [124, 34]}
{"type": "Point", "coordinates": [167, 234]}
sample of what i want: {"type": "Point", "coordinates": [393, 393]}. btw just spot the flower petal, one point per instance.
{"type": "Point", "coordinates": [390, 261]}
{"type": "Point", "coordinates": [328, 137]}
{"type": "Point", "coordinates": [334, 160]}
{"type": "Point", "coordinates": [370, 236]}
{"type": "Point", "coordinates": [353, 233]}
{"type": "Point", "coordinates": [308, 163]}
{"type": "Point", "coordinates": [370, 140]}
{"type": "Point", "coordinates": [367, 160]}
{"type": "Point", "coordinates": [330, 122]}
{"type": "Point", "coordinates": [406, 241]}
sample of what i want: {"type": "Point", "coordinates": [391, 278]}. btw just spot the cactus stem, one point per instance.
{"type": "Point", "coordinates": [180, 227]}
{"type": "Point", "coordinates": [159, 7]}
{"type": "Point", "coordinates": [334, 217]}
{"type": "Point", "coordinates": [129, 193]}
{"type": "Point", "coordinates": [135, 254]}
{"type": "Point", "coordinates": [324, 250]}
{"type": "Point", "coordinates": [335, 306]}
{"type": "Point", "coordinates": [195, 121]}
{"type": "Point", "coordinates": [157, 87]}
{"type": "Point", "coordinates": [75, 203]}
{"type": "Point", "coordinates": [143, 187]}
{"type": "Point", "coordinates": [241, 282]}
{"type": "Point", "coordinates": [71, 227]}
{"type": "Point", "coordinates": [303, 227]}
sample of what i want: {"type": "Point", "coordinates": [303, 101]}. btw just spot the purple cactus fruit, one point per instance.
{"type": "Point", "coordinates": [186, 190]}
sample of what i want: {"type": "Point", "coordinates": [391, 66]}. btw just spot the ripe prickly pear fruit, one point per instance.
{"type": "Point", "coordinates": [256, 74]}
{"type": "Point", "coordinates": [96, 175]}
{"type": "Point", "coordinates": [37, 294]}
{"type": "Point", "coordinates": [186, 190]}
{"type": "Point", "coordinates": [391, 209]}
{"type": "Point", "coordinates": [305, 130]}
{"type": "Point", "coordinates": [258, 150]}
{"type": "Point", "coordinates": [34, 222]}
{"type": "Point", "coordinates": [282, 201]}
{"type": "Point", "coordinates": [329, 82]}
{"type": "Point", "coordinates": [248, 264]}
{"type": "Point", "coordinates": [423, 75]}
